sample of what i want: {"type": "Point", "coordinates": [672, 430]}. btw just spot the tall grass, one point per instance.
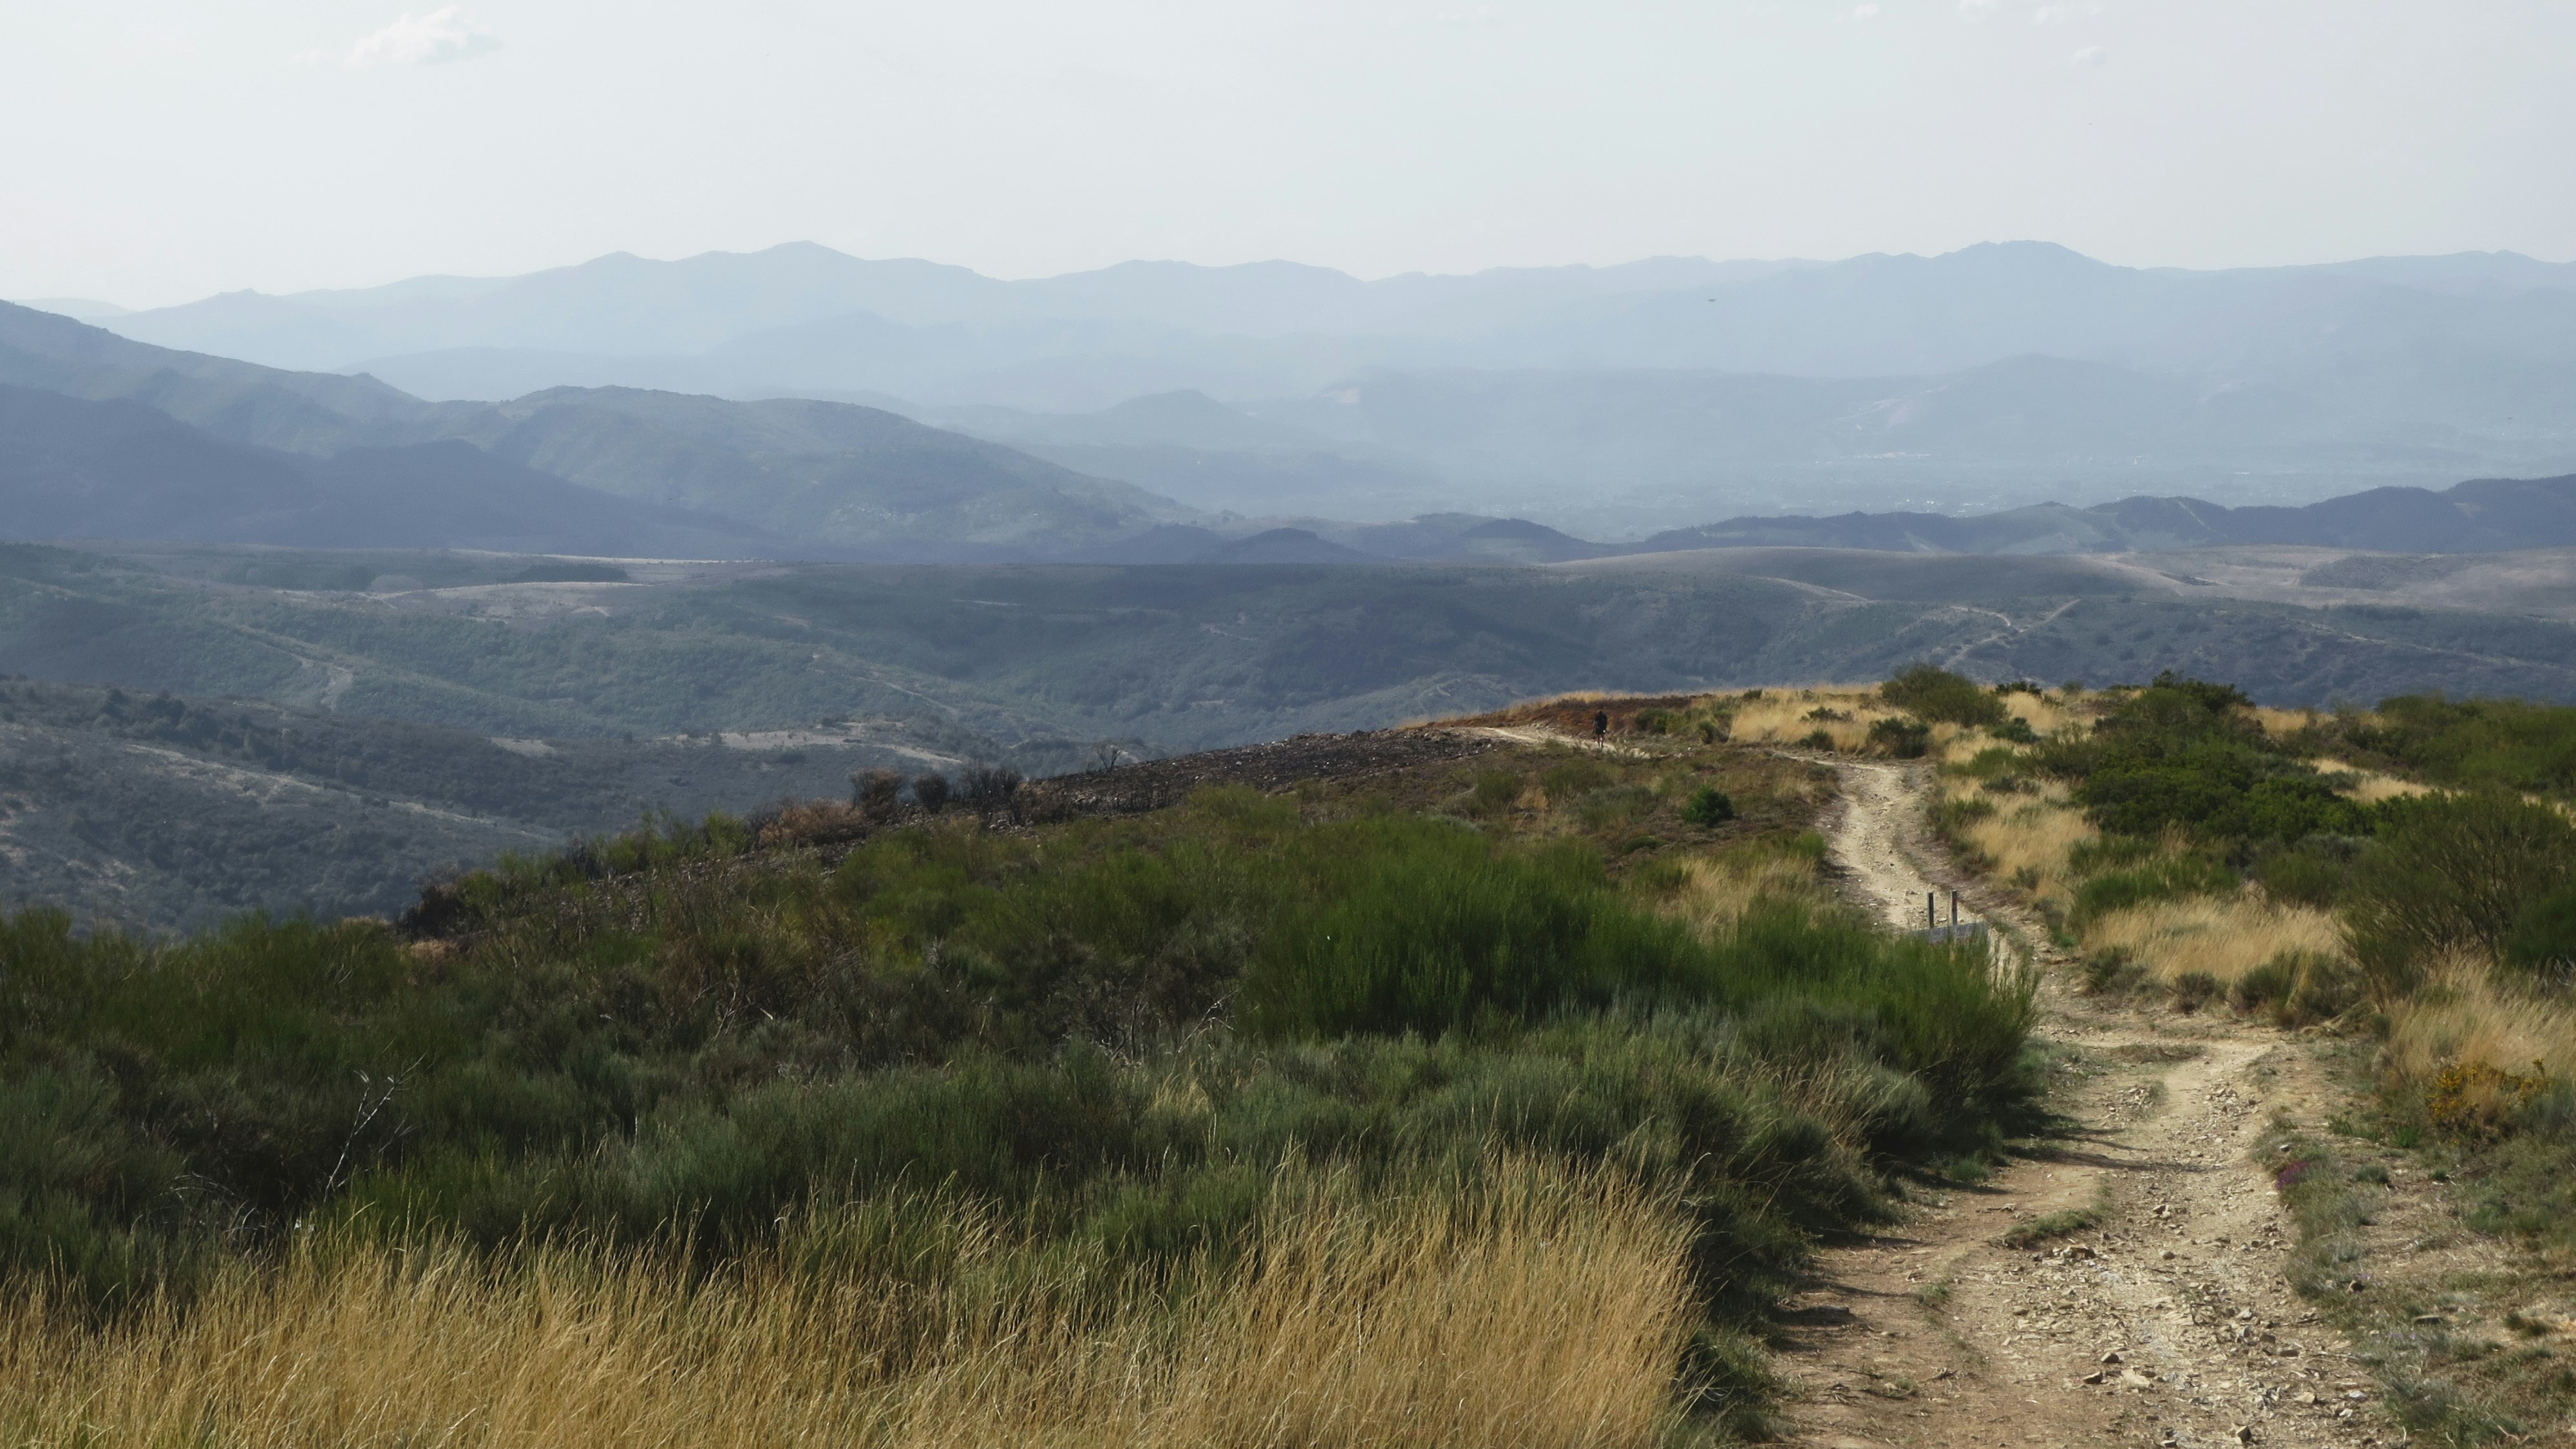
{"type": "Point", "coordinates": [2464, 1013]}
{"type": "Point", "coordinates": [1542, 1306]}
{"type": "Point", "coordinates": [2222, 938]}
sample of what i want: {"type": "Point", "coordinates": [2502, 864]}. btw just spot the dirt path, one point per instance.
{"type": "Point", "coordinates": [2165, 1320]}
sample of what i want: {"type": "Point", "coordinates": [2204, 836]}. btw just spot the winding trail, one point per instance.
{"type": "Point", "coordinates": [2166, 1321]}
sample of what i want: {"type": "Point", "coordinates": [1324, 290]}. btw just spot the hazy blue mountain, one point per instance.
{"type": "Point", "coordinates": [824, 479]}
{"type": "Point", "coordinates": [2481, 516]}
{"type": "Point", "coordinates": [627, 306]}
{"type": "Point", "coordinates": [806, 315]}
{"type": "Point", "coordinates": [79, 309]}
{"type": "Point", "coordinates": [1610, 400]}
{"type": "Point", "coordinates": [240, 401]}
{"type": "Point", "coordinates": [72, 468]}
{"type": "Point", "coordinates": [846, 476]}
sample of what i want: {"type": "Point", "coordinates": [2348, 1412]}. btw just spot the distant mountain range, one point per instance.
{"type": "Point", "coordinates": [102, 436]}
{"type": "Point", "coordinates": [2488, 515]}
{"type": "Point", "coordinates": [1612, 400]}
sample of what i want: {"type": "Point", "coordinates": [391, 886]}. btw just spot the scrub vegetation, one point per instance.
{"type": "Point", "coordinates": [2401, 879]}
{"type": "Point", "coordinates": [1486, 1101]}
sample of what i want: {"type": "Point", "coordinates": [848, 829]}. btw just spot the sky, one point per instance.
{"type": "Point", "coordinates": [157, 151]}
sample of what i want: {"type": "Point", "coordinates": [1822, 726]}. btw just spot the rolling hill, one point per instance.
{"type": "Point", "coordinates": [72, 468]}
{"type": "Point", "coordinates": [817, 478]}
{"type": "Point", "coordinates": [2480, 516]}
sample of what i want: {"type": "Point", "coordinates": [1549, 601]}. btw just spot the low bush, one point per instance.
{"type": "Point", "coordinates": [2491, 744]}
{"type": "Point", "coordinates": [2452, 873]}
{"type": "Point", "coordinates": [2314, 872]}
{"type": "Point", "coordinates": [2192, 990]}
{"type": "Point", "coordinates": [2296, 988]}
{"type": "Point", "coordinates": [2111, 971]}
{"type": "Point", "coordinates": [2542, 943]}
{"type": "Point", "coordinates": [1939, 696]}
{"type": "Point", "coordinates": [1579, 775]}
{"type": "Point", "coordinates": [1708, 807]}
{"type": "Point", "coordinates": [1493, 791]}
{"type": "Point", "coordinates": [986, 786]}
{"type": "Point", "coordinates": [875, 791]}
{"type": "Point", "coordinates": [1905, 739]}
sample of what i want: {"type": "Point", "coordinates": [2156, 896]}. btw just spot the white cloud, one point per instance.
{"type": "Point", "coordinates": [1979, 9]}
{"type": "Point", "coordinates": [444, 34]}
{"type": "Point", "coordinates": [2059, 11]}
{"type": "Point", "coordinates": [1865, 12]}
{"type": "Point", "coordinates": [2089, 55]}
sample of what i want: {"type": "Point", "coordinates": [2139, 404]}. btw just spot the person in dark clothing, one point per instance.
{"type": "Point", "coordinates": [1601, 724]}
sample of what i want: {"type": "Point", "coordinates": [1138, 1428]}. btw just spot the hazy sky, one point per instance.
{"type": "Point", "coordinates": [157, 151]}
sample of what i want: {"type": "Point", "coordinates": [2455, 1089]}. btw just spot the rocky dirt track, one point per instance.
{"type": "Point", "coordinates": [2166, 1320]}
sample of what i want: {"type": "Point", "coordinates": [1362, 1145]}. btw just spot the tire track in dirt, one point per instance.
{"type": "Point", "coordinates": [2166, 1321]}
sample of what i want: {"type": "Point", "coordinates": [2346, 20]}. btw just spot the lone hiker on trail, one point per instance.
{"type": "Point", "coordinates": [1601, 724]}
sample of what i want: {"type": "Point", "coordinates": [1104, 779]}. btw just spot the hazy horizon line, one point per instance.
{"type": "Point", "coordinates": [122, 307]}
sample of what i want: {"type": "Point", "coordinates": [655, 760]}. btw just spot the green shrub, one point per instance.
{"type": "Point", "coordinates": [2508, 744]}
{"type": "Point", "coordinates": [1451, 934]}
{"type": "Point", "coordinates": [1657, 721]}
{"type": "Point", "coordinates": [1937, 695]}
{"type": "Point", "coordinates": [2543, 939]}
{"type": "Point", "coordinates": [2194, 989]}
{"type": "Point", "coordinates": [1569, 778]}
{"type": "Point", "coordinates": [1615, 805]}
{"type": "Point", "coordinates": [2267, 985]}
{"type": "Point", "coordinates": [2314, 872]}
{"type": "Point", "coordinates": [1709, 806]}
{"type": "Point", "coordinates": [1906, 739]}
{"type": "Point", "coordinates": [2452, 871]}
{"type": "Point", "coordinates": [1819, 740]}
{"type": "Point", "coordinates": [2113, 970]}
{"type": "Point", "coordinates": [1494, 791]}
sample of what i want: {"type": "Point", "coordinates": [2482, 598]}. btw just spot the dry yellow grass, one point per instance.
{"type": "Point", "coordinates": [1782, 715]}
{"type": "Point", "coordinates": [2029, 840]}
{"type": "Point", "coordinates": [2222, 936]}
{"type": "Point", "coordinates": [2370, 786]}
{"type": "Point", "coordinates": [2463, 1016]}
{"type": "Point", "coordinates": [2044, 715]}
{"type": "Point", "coordinates": [1715, 893]}
{"type": "Point", "coordinates": [1547, 1307]}
{"type": "Point", "coordinates": [2280, 722]}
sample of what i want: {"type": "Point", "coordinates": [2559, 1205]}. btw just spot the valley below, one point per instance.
{"type": "Point", "coordinates": [605, 689]}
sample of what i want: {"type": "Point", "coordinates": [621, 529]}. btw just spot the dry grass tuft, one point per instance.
{"type": "Point", "coordinates": [2370, 786]}
{"type": "Point", "coordinates": [1546, 1307]}
{"type": "Point", "coordinates": [2045, 716]}
{"type": "Point", "coordinates": [1782, 716]}
{"type": "Point", "coordinates": [1716, 892]}
{"type": "Point", "coordinates": [2282, 723]}
{"type": "Point", "coordinates": [2029, 843]}
{"type": "Point", "coordinates": [2222, 937]}
{"type": "Point", "coordinates": [2464, 1016]}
